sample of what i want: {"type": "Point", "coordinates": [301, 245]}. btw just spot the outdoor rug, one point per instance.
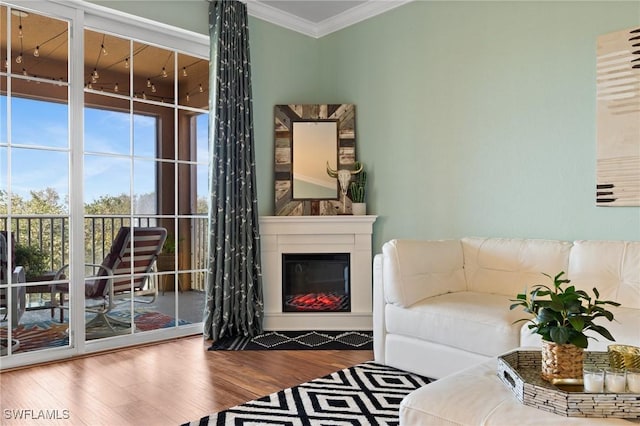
{"type": "Point", "coordinates": [47, 333]}
{"type": "Point", "coordinates": [297, 340]}
{"type": "Point", "coordinates": [366, 394]}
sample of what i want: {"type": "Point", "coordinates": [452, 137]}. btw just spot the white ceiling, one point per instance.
{"type": "Point", "coordinates": [317, 18]}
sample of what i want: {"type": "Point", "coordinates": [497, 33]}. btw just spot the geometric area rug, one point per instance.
{"type": "Point", "coordinates": [366, 394]}
{"type": "Point", "coordinates": [297, 340]}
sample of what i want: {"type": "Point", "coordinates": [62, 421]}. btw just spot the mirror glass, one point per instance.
{"type": "Point", "coordinates": [307, 137]}
{"type": "Point", "coordinates": [314, 144]}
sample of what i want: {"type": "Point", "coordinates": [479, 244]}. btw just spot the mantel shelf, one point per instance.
{"type": "Point", "coordinates": [291, 225]}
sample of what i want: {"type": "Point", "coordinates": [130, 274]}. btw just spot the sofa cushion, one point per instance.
{"type": "Point", "coordinates": [508, 266]}
{"type": "Point", "coordinates": [414, 270]}
{"type": "Point", "coordinates": [476, 322]}
{"type": "Point", "coordinates": [613, 267]}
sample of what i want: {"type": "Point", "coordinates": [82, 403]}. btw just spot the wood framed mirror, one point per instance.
{"type": "Point", "coordinates": [307, 137]}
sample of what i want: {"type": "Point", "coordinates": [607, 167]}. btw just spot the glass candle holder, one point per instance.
{"type": "Point", "coordinates": [633, 380]}
{"type": "Point", "coordinates": [593, 378]}
{"type": "Point", "coordinates": [614, 380]}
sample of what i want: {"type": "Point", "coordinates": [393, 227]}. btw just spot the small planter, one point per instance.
{"type": "Point", "coordinates": [166, 262]}
{"type": "Point", "coordinates": [561, 363]}
{"type": "Point", "coordinates": [561, 316]}
{"type": "Point", "coordinates": [359, 209]}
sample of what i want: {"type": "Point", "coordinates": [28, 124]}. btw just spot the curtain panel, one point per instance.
{"type": "Point", "coordinates": [234, 304]}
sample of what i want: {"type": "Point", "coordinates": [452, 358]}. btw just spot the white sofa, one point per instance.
{"type": "Point", "coordinates": [443, 306]}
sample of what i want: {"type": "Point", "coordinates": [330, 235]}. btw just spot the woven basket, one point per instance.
{"type": "Point", "coordinates": [561, 362]}
{"type": "Point", "coordinates": [624, 356]}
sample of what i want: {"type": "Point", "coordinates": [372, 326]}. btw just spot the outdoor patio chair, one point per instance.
{"type": "Point", "coordinates": [125, 273]}
{"type": "Point", "coordinates": [18, 300]}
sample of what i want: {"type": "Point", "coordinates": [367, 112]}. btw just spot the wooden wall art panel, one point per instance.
{"type": "Point", "coordinates": [285, 116]}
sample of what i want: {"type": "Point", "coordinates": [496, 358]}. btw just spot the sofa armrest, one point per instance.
{"type": "Point", "coordinates": [414, 270]}
{"type": "Point", "coordinates": [379, 327]}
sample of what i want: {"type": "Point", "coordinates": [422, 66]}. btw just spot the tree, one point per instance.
{"type": "Point", "coordinates": [109, 205]}
{"type": "Point", "coordinates": [45, 233]}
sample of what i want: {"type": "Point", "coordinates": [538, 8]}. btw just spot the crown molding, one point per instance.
{"type": "Point", "coordinates": [357, 14]}
{"type": "Point", "coordinates": [281, 18]}
{"type": "Point", "coordinates": [317, 30]}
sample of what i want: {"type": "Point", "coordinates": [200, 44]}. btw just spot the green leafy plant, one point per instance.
{"type": "Point", "coordinates": [359, 184]}
{"type": "Point", "coordinates": [559, 313]}
{"type": "Point", "coordinates": [32, 259]}
{"type": "Point", "coordinates": [169, 246]}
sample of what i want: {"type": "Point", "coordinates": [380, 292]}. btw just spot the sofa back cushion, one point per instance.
{"type": "Point", "coordinates": [613, 267]}
{"type": "Point", "coordinates": [509, 266]}
{"type": "Point", "coordinates": [414, 270]}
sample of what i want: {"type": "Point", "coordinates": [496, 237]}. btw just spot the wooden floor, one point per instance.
{"type": "Point", "coordinates": [164, 384]}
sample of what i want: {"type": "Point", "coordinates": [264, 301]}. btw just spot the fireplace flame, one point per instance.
{"type": "Point", "coordinates": [316, 302]}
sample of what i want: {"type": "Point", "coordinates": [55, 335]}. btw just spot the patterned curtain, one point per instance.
{"type": "Point", "coordinates": [234, 304]}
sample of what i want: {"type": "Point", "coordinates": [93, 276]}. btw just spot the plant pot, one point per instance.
{"type": "Point", "coordinates": [359, 209]}
{"type": "Point", "coordinates": [561, 363]}
{"type": "Point", "coordinates": [166, 262]}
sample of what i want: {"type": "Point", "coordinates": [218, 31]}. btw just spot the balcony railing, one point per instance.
{"type": "Point", "coordinates": [50, 235]}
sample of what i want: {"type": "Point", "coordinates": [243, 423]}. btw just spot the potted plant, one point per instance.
{"type": "Point", "coordinates": [167, 256]}
{"type": "Point", "coordinates": [358, 191]}
{"type": "Point", "coordinates": [32, 259]}
{"type": "Point", "coordinates": [562, 315]}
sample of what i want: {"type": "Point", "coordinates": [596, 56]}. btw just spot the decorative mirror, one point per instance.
{"type": "Point", "coordinates": [307, 138]}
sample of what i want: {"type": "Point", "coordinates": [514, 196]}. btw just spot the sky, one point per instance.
{"type": "Point", "coordinates": [107, 165]}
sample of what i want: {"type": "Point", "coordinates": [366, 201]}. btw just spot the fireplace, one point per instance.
{"type": "Point", "coordinates": [315, 282]}
{"type": "Point", "coordinates": [325, 236]}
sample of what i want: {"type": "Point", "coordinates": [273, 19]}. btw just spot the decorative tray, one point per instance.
{"type": "Point", "coordinates": [520, 371]}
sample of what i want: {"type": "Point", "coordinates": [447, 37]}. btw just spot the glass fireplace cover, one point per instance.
{"type": "Point", "coordinates": [316, 282]}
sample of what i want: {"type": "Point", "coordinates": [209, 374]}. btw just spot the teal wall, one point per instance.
{"type": "Point", "coordinates": [473, 118]}
{"type": "Point", "coordinates": [284, 70]}
{"type": "Point", "coordinates": [478, 118]}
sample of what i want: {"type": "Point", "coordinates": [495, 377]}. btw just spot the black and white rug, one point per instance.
{"type": "Point", "coordinates": [298, 340]}
{"type": "Point", "coordinates": [366, 394]}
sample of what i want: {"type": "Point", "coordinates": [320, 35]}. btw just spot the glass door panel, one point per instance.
{"type": "Point", "coordinates": [107, 125]}
{"type": "Point", "coordinates": [107, 63]}
{"type": "Point", "coordinates": [153, 73]}
{"type": "Point", "coordinates": [35, 178]}
{"type": "Point", "coordinates": [144, 188]}
{"type": "Point", "coordinates": [193, 82]}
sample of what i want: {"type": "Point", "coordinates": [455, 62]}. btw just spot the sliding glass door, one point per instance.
{"type": "Point", "coordinates": [103, 139]}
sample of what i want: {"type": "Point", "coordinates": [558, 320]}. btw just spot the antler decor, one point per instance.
{"type": "Point", "coordinates": [344, 177]}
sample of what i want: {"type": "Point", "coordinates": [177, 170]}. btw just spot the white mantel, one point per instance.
{"type": "Point", "coordinates": [317, 234]}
